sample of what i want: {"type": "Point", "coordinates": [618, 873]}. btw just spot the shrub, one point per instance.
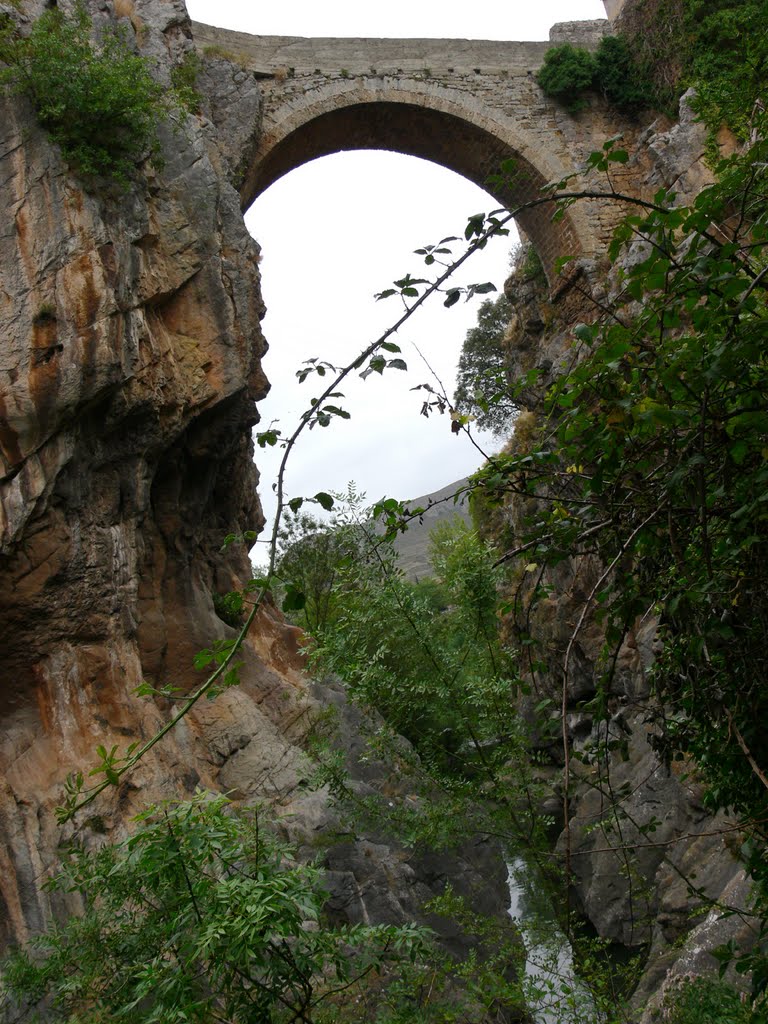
{"type": "Point", "coordinates": [708, 999]}
{"type": "Point", "coordinates": [617, 75]}
{"type": "Point", "coordinates": [184, 81]}
{"type": "Point", "coordinates": [96, 98]}
{"type": "Point", "coordinates": [570, 71]}
{"type": "Point", "coordinates": [481, 382]}
{"type": "Point", "coordinates": [567, 72]}
{"type": "Point", "coordinates": [201, 915]}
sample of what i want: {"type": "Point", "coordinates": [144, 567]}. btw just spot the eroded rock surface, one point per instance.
{"type": "Point", "coordinates": [131, 362]}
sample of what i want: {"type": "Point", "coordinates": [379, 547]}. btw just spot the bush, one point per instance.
{"type": "Point", "coordinates": [201, 915]}
{"type": "Point", "coordinates": [567, 72]}
{"type": "Point", "coordinates": [617, 75]}
{"type": "Point", "coordinates": [570, 71]}
{"type": "Point", "coordinates": [96, 98]}
{"type": "Point", "coordinates": [708, 999]}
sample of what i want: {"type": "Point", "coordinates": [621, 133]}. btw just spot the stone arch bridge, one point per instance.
{"type": "Point", "coordinates": [465, 104]}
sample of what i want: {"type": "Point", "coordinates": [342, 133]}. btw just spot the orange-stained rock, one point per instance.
{"type": "Point", "coordinates": [129, 370]}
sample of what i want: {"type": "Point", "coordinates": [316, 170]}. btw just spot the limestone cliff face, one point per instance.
{"type": "Point", "coordinates": [130, 366]}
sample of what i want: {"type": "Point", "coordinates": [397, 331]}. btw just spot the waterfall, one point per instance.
{"type": "Point", "coordinates": [554, 992]}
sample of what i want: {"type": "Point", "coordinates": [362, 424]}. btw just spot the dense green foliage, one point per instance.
{"type": "Point", "coordinates": [569, 72]}
{"type": "Point", "coordinates": [653, 456]}
{"type": "Point", "coordinates": [701, 1000]}
{"type": "Point", "coordinates": [728, 61]}
{"type": "Point", "coordinates": [617, 76]}
{"type": "Point", "coordinates": [96, 97]}
{"type": "Point", "coordinates": [201, 915]}
{"type": "Point", "coordinates": [664, 47]}
{"type": "Point", "coordinates": [651, 462]}
{"type": "Point", "coordinates": [312, 553]}
{"type": "Point", "coordinates": [481, 383]}
{"type": "Point", "coordinates": [717, 46]}
{"type": "Point", "coordinates": [436, 675]}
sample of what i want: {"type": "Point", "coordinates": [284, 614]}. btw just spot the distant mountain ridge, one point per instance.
{"type": "Point", "coordinates": [413, 546]}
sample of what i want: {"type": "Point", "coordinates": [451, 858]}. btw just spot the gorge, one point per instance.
{"type": "Point", "coordinates": [131, 377]}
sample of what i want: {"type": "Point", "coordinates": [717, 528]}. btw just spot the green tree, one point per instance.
{"type": "Point", "coordinates": [482, 388]}
{"type": "Point", "coordinates": [435, 670]}
{"type": "Point", "coordinates": [312, 552]}
{"type": "Point", "coordinates": [202, 915]}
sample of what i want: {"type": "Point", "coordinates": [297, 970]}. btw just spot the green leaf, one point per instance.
{"type": "Point", "coordinates": [324, 499]}
{"type": "Point", "coordinates": [739, 452]}
{"type": "Point", "coordinates": [584, 333]}
{"type": "Point", "coordinates": [294, 600]}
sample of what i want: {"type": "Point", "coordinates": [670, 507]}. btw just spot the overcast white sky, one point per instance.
{"type": "Point", "coordinates": [338, 229]}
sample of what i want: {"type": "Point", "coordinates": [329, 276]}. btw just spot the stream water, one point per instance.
{"type": "Point", "coordinates": [554, 992]}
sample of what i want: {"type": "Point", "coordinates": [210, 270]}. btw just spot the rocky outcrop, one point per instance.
{"type": "Point", "coordinates": [130, 368]}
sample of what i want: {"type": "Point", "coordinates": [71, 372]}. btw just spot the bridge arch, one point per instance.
{"type": "Point", "coordinates": [435, 123]}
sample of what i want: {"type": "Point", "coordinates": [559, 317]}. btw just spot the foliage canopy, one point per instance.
{"type": "Point", "coordinates": [481, 381]}
{"type": "Point", "coordinates": [570, 71]}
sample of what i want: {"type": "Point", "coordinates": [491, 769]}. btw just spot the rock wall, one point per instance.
{"type": "Point", "coordinates": [130, 368]}
{"type": "Point", "coordinates": [613, 8]}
